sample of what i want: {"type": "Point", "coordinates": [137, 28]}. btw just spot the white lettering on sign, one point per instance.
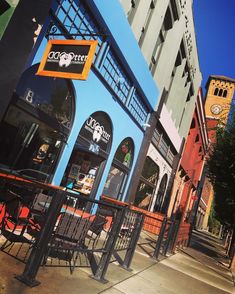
{"type": "Point", "coordinates": [65, 59]}
{"type": "Point", "coordinates": [98, 131]}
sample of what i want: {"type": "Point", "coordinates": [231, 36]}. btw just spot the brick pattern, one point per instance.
{"type": "Point", "coordinates": [183, 234]}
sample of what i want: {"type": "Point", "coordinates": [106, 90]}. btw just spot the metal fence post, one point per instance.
{"type": "Point", "coordinates": [175, 236]}
{"type": "Point", "coordinates": [109, 248]}
{"type": "Point", "coordinates": [160, 238]}
{"type": "Point", "coordinates": [40, 246]}
{"type": "Point", "coordinates": [169, 238]}
{"type": "Point", "coordinates": [134, 239]}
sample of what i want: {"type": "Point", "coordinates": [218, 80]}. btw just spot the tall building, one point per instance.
{"type": "Point", "coordinates": [220, 90]}
{"type": "Point", "coordinates": [164, 30]}
{"type": "Point", "coordinates": [218, 100]}
{"type": "Point", "coordinates": [191, 164]}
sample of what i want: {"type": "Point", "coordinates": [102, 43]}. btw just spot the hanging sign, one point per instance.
{"type": "Point", "coordinates": [69, 59]}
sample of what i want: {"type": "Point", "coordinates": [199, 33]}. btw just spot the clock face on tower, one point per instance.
{"type": "Point", "coordinates": [216, 109]}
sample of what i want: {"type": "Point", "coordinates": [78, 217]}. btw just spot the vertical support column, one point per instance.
{"type": "Point", "coordinates": [110, 245]}
{"type": "Point", "coordinates": [169, 238]}
{"type": "Point", "coordinates": [160, 238]}
{"type": "Point", "coordinates": [40, 247]}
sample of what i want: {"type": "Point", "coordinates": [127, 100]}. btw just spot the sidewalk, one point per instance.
{"type": "Point", "coordinates": [189, 271]}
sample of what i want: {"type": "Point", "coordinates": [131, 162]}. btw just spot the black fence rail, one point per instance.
{"type": "Point", "coordinates": [128, 237]}
{"type": "Point", "coordinates": [161, 240]}
{"type": "Point", "coordinates": [166, 238]}
{"type": "Point", "coordinates": [46, 226]}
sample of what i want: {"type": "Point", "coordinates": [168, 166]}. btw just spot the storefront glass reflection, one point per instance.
{"type": "Point", "coordinates": [81, 172]}
{"type": "Point", "coordinates": [120, 169]}
{"type": "Point", "coordinates": [31, 136]}
{"type": "Point", "coordinates": [147, 184]}
{"type": "Point", "coordinates": [161, 193]}
{"type": "Point", "coordinates": [89, 154]}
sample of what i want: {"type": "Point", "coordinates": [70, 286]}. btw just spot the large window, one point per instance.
{"type": "Point", "coordinates": [161, 193]}
{"type": "Point", "coordinates": [120, 169]}
{"type": "Point", "coordinates": [89, 154]}
{"type": "Point", "coordinates": [36, 124]}
{"type": "Point", "coordinates": [147, 184]}
{"type": "Point", "coordinates": [163, 144]}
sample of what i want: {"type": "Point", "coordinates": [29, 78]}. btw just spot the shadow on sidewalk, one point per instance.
{"type": "Point", "coordinates": [209, 251]}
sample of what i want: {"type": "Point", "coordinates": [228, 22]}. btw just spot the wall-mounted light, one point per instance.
{"type": "Point", "coordinates": [146, 125]}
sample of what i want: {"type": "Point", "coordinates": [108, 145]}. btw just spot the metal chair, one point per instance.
{"type": "Point", "coordinates": [96, 227]}
{"type": "Point", "coordinates": [13, 223]}
{"type": "Point", "coordinates": [68, 239]}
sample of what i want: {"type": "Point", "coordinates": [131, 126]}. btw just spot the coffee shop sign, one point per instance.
{"type": "Point", "coordinates": [67, 59]}
{"type": "Point", "coordinates": [97, 130]}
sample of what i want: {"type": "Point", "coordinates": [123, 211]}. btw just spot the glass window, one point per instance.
{"type": "Point", "coordinates": [36, 125]}
{"type": "Point", "coordinates": [89, 154]}
{"type": "Point", "coordinates": [160, 195]}
{"type": "Point", "coordinates": [150, 171]}
{"type": "Point", "coordinates": [124, 153]}
{"type": "Point", "coordinates": [120, 169]}
{"type": "Point", "coordinates": [81, 171]}
{"type": "Point", "coordinates": [147, 184]}
{"type": "Point", "coordinates": [163, 147]}
{"type": "Point", "coordinates": [114, 183]}
{"type": "Point", "coordinates": [144, 195]}
{"type": "Point", "coordinates": [51, 95]}
{"type": "Point", "coordinates": [96, 133]}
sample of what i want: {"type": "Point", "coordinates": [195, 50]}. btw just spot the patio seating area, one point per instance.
{"type": "Point", "coordinates": [52, 227]}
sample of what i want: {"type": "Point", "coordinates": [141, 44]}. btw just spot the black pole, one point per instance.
{"type": "Point", "coordinates": [134, 239]}
{"type": "Point", "coordinates": [159, 240]}
{"type": "Point", "coordinates": [110, 245]}
{"type": "Point", "coordinates": [40, 247]}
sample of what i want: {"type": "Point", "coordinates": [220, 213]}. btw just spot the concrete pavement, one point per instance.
{"type": "Point", "coordinates": [190, 271]}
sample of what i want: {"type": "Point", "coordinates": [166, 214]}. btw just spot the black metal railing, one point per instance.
{"type": "Point", "coordinates": [166, 238]}
{"type": "Point", "coordinates": [45, 225]}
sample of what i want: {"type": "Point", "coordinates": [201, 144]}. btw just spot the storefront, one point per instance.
{"type": "Point", "coordinates": [83, 135]}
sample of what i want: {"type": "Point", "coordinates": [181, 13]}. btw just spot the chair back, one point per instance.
{"type": "Point", "coordinates": [97, 224]}
{"type": "Point", "coordinates": [72, 228]}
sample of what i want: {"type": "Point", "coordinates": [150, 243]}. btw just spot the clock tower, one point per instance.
{"type": "Point", "coordinates": [219, 96]}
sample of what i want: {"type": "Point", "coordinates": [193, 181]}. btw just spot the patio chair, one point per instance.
{"type": "Point", "coordinates": [69, 239]}
{"type": "Point", "coordinates": [13, 223]}
{"type": "Point", "coordinates": [95, 229]}
{"type": "Point", "coordinates": [38, 212]}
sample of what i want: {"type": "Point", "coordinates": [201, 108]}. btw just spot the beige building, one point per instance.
{"type": "Point", "coordinates": [165, 33]}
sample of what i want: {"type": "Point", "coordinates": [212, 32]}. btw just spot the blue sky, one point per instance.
{"type": "Point", "coordinates": [215, 34]}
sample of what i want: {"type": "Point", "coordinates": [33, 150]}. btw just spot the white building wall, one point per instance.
{"type": "Point", "coordinates": [176, 113]}
{"type": "Point", "coordinates": [164, 168]}
{"type": "Point", "coordinates": [183, 28]}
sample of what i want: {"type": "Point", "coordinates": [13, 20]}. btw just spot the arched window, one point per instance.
{"type": "Point", "coordinates": [216, 91]}
{"type": "Point", "coordinates": [193, 124]}
{"type": "Point", "coordinates": [160, 194]}
{"type": "Point", "coordinates": [53, 96]}
{"type": "Point", "coordinates": [147, 184]}
{"type": "Point", "coordinates": [120, 169]}
{"type": "Point", "coordinates": [220, 92]}
{"type": "Point", "coordinates": [225, 93]}
{"type": "Point", "coordinates": [37, 123]}
{"type": "Point", "coordinates": [89, 155]}
{"type": "Point", "coordinates": [197, 138]}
